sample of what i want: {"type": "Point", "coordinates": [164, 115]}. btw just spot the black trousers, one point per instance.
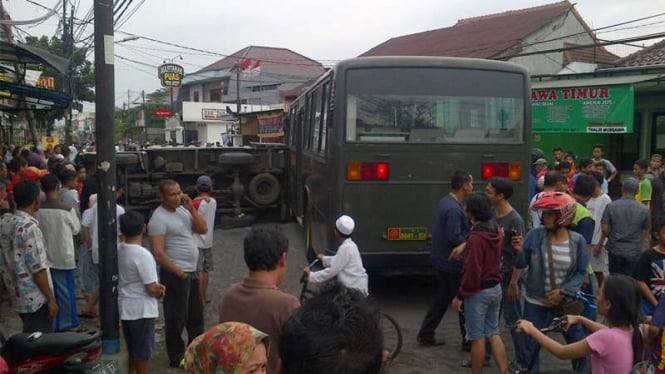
{"type": "Point", "coordinates": [447, 290]}
{"type": "Point", "coordinates": [37, 321]}
{"type": "Point", "coordinates": [183, 309]}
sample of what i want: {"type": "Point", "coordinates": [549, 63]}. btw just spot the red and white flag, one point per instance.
{"type": "Point", "coordinates": [246, 63]}
{"type": "Point", "coordinates": [256, 69]}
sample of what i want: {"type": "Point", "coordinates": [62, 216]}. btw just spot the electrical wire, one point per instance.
{"type": "Point", "coordinates": [149, 55]}
{"type": "Point", "coordinates": [130, 14]}
{"type": "Point", "coordinates": [115, 20]}
{"type": "Point", "coordinates": [31, 21]}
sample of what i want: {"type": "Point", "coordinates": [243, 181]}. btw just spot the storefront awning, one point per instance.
{"type": "Point", "coordinates": [597, 81]}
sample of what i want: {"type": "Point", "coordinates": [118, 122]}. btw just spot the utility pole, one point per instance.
{"type": "Point", "coordinates": [238, 97]}
{"type": "Point", "coordinates": [67, 52]}
{"type": "Point", "coordinates": [145, 120]}
{"type": "Point", "coordinates": [106, 177]}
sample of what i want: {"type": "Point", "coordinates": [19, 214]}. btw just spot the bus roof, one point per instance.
{"type": "Point", "coordinates": [430, 61]}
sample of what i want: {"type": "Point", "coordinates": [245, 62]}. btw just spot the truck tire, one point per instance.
{"type": "Point", "coordinates": [236, 158]}
{"type": "Point", "coordinates": [264, 189]}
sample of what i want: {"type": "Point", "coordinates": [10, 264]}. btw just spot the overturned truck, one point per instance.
{"type": "Point", "coordinates": [247, 181]}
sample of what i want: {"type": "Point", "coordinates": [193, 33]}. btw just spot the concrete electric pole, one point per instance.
{"type": "Point", "coordinates": [106, 177]}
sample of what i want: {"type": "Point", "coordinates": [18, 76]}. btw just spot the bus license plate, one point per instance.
{"type": "Point", "coordinates": [407, 233]}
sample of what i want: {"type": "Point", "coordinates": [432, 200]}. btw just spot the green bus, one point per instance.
{"type": "Point", "coordinates": [378, 138]}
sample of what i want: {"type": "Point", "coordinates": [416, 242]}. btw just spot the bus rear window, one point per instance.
{"type": "Point", "coordinates": [409, 105]}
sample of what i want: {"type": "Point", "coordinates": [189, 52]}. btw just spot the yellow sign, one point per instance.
{"type": "Point", "coordinates": [171, 75]}
{"type": "Point", "coordinates": [46, 82]}
{"type": "Point", "coordinates": [9, 79]}
{"type": "Point", "coordinates": [49, 141]}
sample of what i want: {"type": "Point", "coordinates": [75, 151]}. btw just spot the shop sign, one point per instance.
{"type": "Point", "coordinates": [46, 82]}
{"type": "Point", "coordinates": [50, 141]}
{"type": "Point", "coordinates": [171, 75]}
{"type": "Point", "coordinates": [212, 114]}
{"type": "Point", "coordinates": [595, 109]}
{"type": "Point", "coordinates": [270, 125]}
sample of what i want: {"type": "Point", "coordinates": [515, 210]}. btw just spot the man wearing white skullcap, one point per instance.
{"type": "Point", "coordinates": [346, 264]}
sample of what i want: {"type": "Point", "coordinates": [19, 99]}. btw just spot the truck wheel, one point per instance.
{"type": "Point", "coordinates": [264, 189]}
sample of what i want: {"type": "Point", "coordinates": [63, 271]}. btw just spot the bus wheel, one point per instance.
{"type": "Point", "coordinates": [264, 189]}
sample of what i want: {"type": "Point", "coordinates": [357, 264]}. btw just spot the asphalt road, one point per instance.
{"type": "Point", "coordinates": [405, 297]}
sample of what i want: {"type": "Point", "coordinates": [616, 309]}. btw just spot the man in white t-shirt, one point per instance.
{"type": "Point", "coordinates": [91, 241]}
{"type": "Point", "coordinates": [206, 205]}
{"type": "Point", "coordinates": [171, 230]}
{"type": "Point", "coordinates": [596, 206]}
{"type": "Point", "coordinates": [138, 291]}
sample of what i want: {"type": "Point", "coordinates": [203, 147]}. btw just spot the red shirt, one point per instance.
{"type": "Point", "coordinates": [482, 260]}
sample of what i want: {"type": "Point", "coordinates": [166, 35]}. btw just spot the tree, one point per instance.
{"type": "Point", "coordinates": [83, 74]}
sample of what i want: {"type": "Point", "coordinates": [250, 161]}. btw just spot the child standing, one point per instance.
{"type": "Point", "coordinates": [138, 291]}
{"type": "Point", "coordinates": [650, 272]}
{"type": "Point", "coordinates": [614, 348]}
{"type": "Point", "coordinates": [206, 205]}
{"type": "Point", "coordinates": [480, 286]}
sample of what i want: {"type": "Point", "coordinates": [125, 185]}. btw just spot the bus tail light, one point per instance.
{"type": "Point", "coordinates": [367, 171]}
{"type": "Point", "coordinates": [382, 171]}
{"type": "Point", "coordinates": [353, 170]}
{"type": "Point", "coordinates": [512, 170]}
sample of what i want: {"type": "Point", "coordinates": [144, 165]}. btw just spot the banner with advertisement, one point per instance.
{"type": "Point", "coordinates": [596, 109]}
{"type": "Point", "coordinates": [271, 125]}
{"type": "Point", "coordinates": [49, 141]}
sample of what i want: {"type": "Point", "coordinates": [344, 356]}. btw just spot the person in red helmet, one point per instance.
{"type": "Point", "coordinates": [557, 261]}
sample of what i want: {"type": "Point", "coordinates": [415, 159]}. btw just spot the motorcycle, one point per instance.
{"type": "Point", "coordinates": [66, 352]}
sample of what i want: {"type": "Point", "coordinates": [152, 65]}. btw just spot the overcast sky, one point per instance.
{"type": "Point", "coordinates": [325, 31]}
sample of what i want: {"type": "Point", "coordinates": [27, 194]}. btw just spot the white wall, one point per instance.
{"type": "Point", "coordinates": [551, 63]}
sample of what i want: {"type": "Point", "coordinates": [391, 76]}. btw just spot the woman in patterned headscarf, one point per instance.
{"type": "Point", "coordinates": [228, 348]}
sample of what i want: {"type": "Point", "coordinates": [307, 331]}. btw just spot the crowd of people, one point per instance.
{"type": "Point", "coordinates": [489, 260]}
{"type": "Point", "coordinates": [581, 246]}
{"type": "Point", "coordinates": [49, 253]}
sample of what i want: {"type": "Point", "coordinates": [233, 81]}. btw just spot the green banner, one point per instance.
{"type": "Point", "coordinates": [596, 109]}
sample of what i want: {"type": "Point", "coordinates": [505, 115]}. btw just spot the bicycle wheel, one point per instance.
{"type": "Point", "coordinates": [392, 335]}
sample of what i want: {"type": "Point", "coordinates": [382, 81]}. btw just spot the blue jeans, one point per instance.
{"type": "Point", "coordinates": [482, 313]}
{"type": "Point", "coordinates": [512, 311]}
{"type": "Point", "coordinates": [622, 265]}
{"type": "Point", "coordinates": [65, 296]}
{"type": "Point", "coordinates": [541, 316]}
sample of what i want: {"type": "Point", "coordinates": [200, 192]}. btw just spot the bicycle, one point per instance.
{"type": "Point", "coordinates": [557, 325]}
{"type": "Point", "coordinates": [392, 332]}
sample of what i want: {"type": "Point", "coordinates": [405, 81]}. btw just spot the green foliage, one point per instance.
{"type": "Point", "coordinates": [125, 121]}
{"type": "Point", "coordinates": [83, 74]}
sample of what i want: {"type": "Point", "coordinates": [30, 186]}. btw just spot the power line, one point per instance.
{"type": "Point", "coordinates": [122, 11]}
{"type": "Point", "coordinates": [149, 55]}
{"type": "Point", "coordinates": [582, 46]}
{"type": "Point", "coordinates": [131, 13]}
{"type": "Point", "coordinates": [43, 18]}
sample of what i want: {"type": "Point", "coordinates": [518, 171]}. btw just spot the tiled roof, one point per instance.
{"type": "Point", "coordinates": [274, 60]}
{"type": "Point", "coordinates": [480, 37]}
{"type": "Point", "coordinates": [597, 55]}
{"type": "Point", "coordinates": [652, 55]}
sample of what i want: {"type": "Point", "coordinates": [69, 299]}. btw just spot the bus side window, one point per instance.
{"type": "Point", "coordinates": [316, 119]}
{"type": "Point", "coordinates": [307, 123]}
{"type": "Point", "coordinates": [324, 122]}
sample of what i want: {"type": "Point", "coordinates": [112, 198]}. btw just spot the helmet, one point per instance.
{"type": "Point", "coordinates": [536, 153]}
{"type": "Point", "coordinates": [558, 201]}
